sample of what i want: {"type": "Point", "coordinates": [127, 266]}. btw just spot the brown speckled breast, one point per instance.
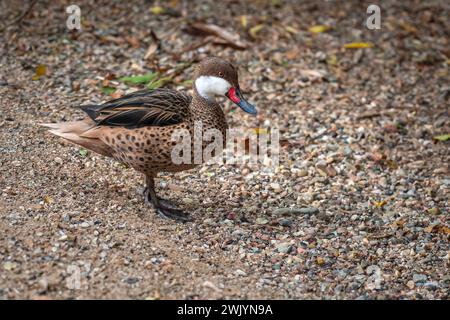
{"type": "Point", "coordinates": [149, 149]}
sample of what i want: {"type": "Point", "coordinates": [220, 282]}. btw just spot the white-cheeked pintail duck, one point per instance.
{"type": "Point", "coordinates": [136, 129]}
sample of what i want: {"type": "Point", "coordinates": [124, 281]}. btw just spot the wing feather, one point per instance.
{"type": "Point", "coordinates": [159, 107]}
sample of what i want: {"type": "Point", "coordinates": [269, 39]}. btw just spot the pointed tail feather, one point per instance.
{"type": "Point", "coordinates": [73, 132]}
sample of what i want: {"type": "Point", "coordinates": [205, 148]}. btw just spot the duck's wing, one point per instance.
{"type": "Point", "coordinates": [158, 107]}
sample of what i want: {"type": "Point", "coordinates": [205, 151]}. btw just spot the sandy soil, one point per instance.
{"type": "Point", "coordinates": [358, 156]}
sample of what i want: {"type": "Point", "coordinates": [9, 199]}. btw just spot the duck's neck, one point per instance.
{"type": "Point", "coordinates": [204, 109]}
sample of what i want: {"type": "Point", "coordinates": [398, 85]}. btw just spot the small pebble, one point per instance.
{"type": "Point", "coordinates": [262, 221]}
{"type": "Point", "coordinates": [285, 222]}
{"type": "Point", "coordinates": [410, 284]}
{"type": "Point", "coordinates": [240, 273]}
{"type": "Point", "coordinates": [417, 278]}
{"type": "Point", "coordinates": [84, 225]}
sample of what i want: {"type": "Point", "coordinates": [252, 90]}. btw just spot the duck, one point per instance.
{"type": "Point", "coordinates": [136, 129]}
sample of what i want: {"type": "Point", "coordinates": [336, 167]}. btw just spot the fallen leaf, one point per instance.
{"type": "Point", "coordinates": [442, 138]}
{"type": "Point", "coordinates": [153, 46]}
{"type": "Point", "coordinates": [108, 90]}
{"type": "Point", "coordinates": [434, 211]}
{"type": "Point", "coordinates": [407, 27]}
{"type": "Point", "coordinates": [117, 94]}
{"type": "Point", "coordinates": [292, 54]}
{"type": "Point", "coordinates": [113, 39]}
{"type": "Point", "coordinates": [228, 38]}
{"type": "Point", "coordinates": [380, 204]}
{"type": "Point", "coordinates": [8, 266]}
{"type": "Point", "coordinates": [332, 60]}
{"type": "Point", "coordinates": [437, 228]}
{"type": "Point", "coordinates": [83, 152]}
{"type": "Point", "coordinates": [144, 79]}
{"type": "Point", "coordinates": [276, 3]}
{"type": "Point", "coordinates": [291, 30]}
{"type": "Point", "coordinates": [444, 229]}
{"type": "Point", "coordinates": [285, 143]}
{"type": "Point", "coordinates": [358, 45]}
{"type": "Point", "coordinates": [187, 83]}
{"type": "Point", "coordinates": [244, 22]}
{"type": "Point", "coordinates": [159, 83]}
{"type": "Point", "coordinates": [105, 83]}
{"type": "Point", "coordinates": [48, 199]}
{"type": "Point", "coordinates": [40, 71]}
{"type": "Point", "coordinates": [157, 10]}
{"type": "Point", "coordinates": [391, 164]}
{"type": "Point", "coordinates": [400, 223]}
{"type": "Point", "coordinates": [254, 30]}
{"type": "Point", "coordinates": [133, 41]}
{"type": "Point", "coordinates": [110, 76]}
{"type": "Point", "coordinates": [319, 29]}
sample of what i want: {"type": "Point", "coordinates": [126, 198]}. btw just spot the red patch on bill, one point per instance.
{"type": "Point", "coordinates": [232, 95]}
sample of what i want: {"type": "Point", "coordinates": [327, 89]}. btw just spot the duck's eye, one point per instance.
{"type": "Point", "coordinates": [221, 74]}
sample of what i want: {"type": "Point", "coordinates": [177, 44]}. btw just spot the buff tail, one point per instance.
{"type": "Point", "coordinates": [83, 133]}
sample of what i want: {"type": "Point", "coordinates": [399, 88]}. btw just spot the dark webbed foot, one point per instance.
{"type": "Point", "coordinates": [167, 204]}
{"type": "Point", "coordinates": [175, 214]}
{"type": "Point", "coordinates": [164, 208]}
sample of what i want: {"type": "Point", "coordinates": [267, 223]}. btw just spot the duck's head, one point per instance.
{"type": "Point", "coordinates": [217, 77]}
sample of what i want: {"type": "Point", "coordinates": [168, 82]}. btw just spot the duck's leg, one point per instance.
{"type": "Point", "coordinates": [164, 208]}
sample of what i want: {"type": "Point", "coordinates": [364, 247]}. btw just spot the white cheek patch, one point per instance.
{"type": "Point", "coordinates": [209, 86]}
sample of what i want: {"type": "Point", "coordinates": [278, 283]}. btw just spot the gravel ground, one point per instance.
{"type": "Point", "coordinates": [367, 181]}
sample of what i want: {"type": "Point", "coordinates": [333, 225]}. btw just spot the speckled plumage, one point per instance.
{"type": "Point", "coordinates": [148, 147]}
{"type": "Point", "coordinates": [136, 129]}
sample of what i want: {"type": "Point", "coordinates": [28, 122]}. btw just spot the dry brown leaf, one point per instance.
{"type": "Point", "coordinates": [292, 54]}
{"type": "Point", "coordinates": [133, 41]}
{"type": "Point", "coordinates": [48, 199]}
{"type": "Point", "coordinates": [286, 143]}
{"type": "Point", "coordinates": [441, 228]}
{"type": "Point", "coordinates": [228, 38]}
{"type": "Point", "coordinates": [391, 164]}
{"type": "Point", "coordinates": [153, 47]}
{"type": "Point", "coordinates": [407, 27]}
{"type": "Point", "coordinates": [117, 94]}
{"type": "Point", "coordinates": [380, 204]}
{"type": "Point", "coordinates": [116, 40]}
{"type": "Point", "coordinates": [110, 76]}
